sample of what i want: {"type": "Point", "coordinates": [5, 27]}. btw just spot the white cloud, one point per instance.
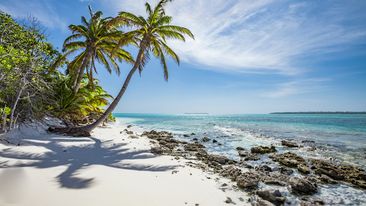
{"type": "Point", "coordinates": [297, 87]}
{"type": "Point", "coordinates": [42, 10]}
{"type": "Point", "coordinates": [255, 36]}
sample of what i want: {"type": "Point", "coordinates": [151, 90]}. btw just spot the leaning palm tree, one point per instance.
{"type": "Point", "coordinates": [95, 40]}
{"type": "Point", "coordinates": [151, 34]}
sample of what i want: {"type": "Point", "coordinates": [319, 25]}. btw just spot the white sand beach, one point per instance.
{"type": "Point", "coordinates": [108, 168]}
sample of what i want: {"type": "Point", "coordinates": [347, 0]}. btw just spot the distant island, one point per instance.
{"type": "Point", "coordinates": [318, 113]}
{"type": "Point", "coordinates": [202, 113]}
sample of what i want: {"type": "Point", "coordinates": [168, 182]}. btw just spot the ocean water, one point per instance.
{"type": "Point", "coordinates": [338, 137]}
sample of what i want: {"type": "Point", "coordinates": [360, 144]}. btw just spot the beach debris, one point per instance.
{"type": "Point", "coordinates": [289, 143]}
{"type": "Point", "coordinates": [274, 197]}
{"type": "Point", "coordinates": [300, 186]}
{"type": "Point", "coordinates": [263, 149]}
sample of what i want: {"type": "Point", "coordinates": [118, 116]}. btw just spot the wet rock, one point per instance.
{"type": "Point", "coordinates": [245, 165]}
{"type": "Point", "coordinates": [264, 168]}
{"type": "Point", "coordinates": [214, 141]}
{"type": "Point", "coordinates": [195, 139]}
{"type": "Point", "coordinates": [247, 156]}
{"type": "Point", "coordinates": [347, 173]}
{"type": "Point", "coordinates": [327, 168]}
{"type": "Point", "coordinates": [273, 181]}
{"type": "Point", "coordinates": [219, 159]}
{"type": "Point", "coordinates": [306, 201]}
{"type": "Point", "coordinates": [289, 143]}
{"type": "Point", "coordinates": [303, 186]}
{"type": "Point", "coordinates": [303, 169]}
{"type": "Point", "coordinates": [129, 126]}
{"type": "Point", "coordinates": [274, 197]}
{"type": "Point", "coordinates": [129, 132]}
{"type": "Point", "coordinates": [327, 180]}
{"type": "Point", "coordinates": [252, 157]}
{"type": "Point", "coordinates": [201, 154]}
{"type": "Point", "coordinates": [240, 149]}
{"type": "Point", "coordinates": [185, 135]}
{"type": "Point", "coordinates": [157, 135]}
{"type": "Point", "coordinates": [285, 171]}
{"type": "Point", "coordinates": [205, 139]}
{"type": "Point", "coordinates": [274, 178]}
{"type": "Point", "coordinates": [263, 149]}
{"type": "Point", "coordinates": [229, 201]}
{"type": "Point", "coordinates": [231, 172]}
{"type": "Point", "coordinates": [157, 150]}
{"type": "Point", "coordinates": [247, 181]}
{"type": "Point", "coordinates": [243, 153]}
{"type": "Point", "coordinates": [192, 134]}
{"type": "Point", "coordinates": [193, 147]}
{"type": "Point", "coordinates": [308, 141]}
{"type": "Point", "coordinates": [288, 159]}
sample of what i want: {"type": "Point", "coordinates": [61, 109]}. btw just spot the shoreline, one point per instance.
{"type": "Point", "coordinates": [307, 180]}
{"type": "Point", "coordinates": [110, 168]}
{"type": "Point", "coordinates": [177, 172]}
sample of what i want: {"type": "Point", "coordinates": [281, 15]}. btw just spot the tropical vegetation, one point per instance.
{"type": "Point", "coordinates": [30, 72]}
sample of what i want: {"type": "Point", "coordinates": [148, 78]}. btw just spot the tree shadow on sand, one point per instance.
{"type": "Point", "coordinates": [96, 152]}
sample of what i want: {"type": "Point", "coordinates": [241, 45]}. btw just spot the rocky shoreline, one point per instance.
{"type": "Point", "coordinates": [300, 176]}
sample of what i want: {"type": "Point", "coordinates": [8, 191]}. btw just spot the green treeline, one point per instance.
{"type": "Point", "coordinates": [33, 87]}
{"type": "Point", "coordinates": [29, 86]}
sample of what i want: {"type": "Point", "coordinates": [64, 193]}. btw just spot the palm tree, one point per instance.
{"type": "Point", "coordinates": [151, 34]}
{"type": "Point", "coordinates": [96, 40]}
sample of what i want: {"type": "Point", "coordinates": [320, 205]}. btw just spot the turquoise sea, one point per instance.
{"type": "Point", "coordinates": [337, 137]}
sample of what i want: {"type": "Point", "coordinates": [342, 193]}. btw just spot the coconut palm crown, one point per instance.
{"type": "Point", "coordinates": [151, 35]}
{"type": "Point", "coordinates": [94, 40]}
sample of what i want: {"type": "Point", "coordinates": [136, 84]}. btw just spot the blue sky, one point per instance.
{"type": "Point", "coordinates": [248, 56]}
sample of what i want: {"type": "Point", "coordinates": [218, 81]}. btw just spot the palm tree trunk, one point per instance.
{"type": "Point", "coordinates": [85, 130]}
{"type": "Point", "coordinates": [77, 82]}
{"type": "Point", "coordinates": [115, 102]}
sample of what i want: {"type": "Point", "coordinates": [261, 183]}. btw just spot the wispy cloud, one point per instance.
{"type": "Point", "coordinates": [42, 10]}
{"type": "Point", "coordinates": [258, 36]}
{"type": "Point", "coordinates": [297, 87]}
